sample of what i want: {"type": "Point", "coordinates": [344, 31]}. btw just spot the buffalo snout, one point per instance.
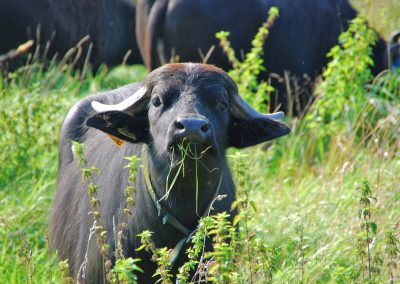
{"type": "Point", "coordinates": [195, 129]}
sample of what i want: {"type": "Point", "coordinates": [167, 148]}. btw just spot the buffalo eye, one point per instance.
{"type": "Point", "coordinates": [156, 101]}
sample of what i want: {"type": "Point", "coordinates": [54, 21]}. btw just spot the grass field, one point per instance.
{"type": "Point", "coordinates": [309, 226]}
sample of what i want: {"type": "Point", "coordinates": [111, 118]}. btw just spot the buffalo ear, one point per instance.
{"type": "Point", "coordinates": [249, 132]}
{"type": "Point", "coordinates": [121, 125]}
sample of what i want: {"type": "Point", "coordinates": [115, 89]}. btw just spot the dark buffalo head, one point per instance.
{"type": "Point", "coordinates": [187, 103]}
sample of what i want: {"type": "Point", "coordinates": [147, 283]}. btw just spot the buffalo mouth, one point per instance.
{"type": "Point", "coordinates": [190, 149]}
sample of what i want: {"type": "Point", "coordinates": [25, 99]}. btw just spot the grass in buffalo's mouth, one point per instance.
{"type": "Point", "coordinates": [190, 149]}
{"type": "Point", "coordinates": [180, 168]}
{"type": "Point", "coordinates": [184, 150]}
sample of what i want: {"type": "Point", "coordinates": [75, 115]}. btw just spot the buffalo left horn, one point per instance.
{"type": "Point", "coordinates": [241, 109]}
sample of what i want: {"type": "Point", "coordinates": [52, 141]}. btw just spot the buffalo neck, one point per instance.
{"type": "Point", "coordinates": [188, 192]}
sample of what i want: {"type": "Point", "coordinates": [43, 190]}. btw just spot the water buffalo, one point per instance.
{"type": "Point", "coordinates": [194, 105]}
{"type": "Point", "coordinates": [298, 41]}
{"type": "Point", "coordinates": [109, 23]}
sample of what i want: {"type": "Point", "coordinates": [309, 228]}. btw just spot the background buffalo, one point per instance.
{"type": "Point", "coordinates": [109, 23]}
{"type": "Point", "coordinates": [297, 44]}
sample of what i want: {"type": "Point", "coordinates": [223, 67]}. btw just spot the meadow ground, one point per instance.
{"type": "Point", "coordinates": [304, 219]}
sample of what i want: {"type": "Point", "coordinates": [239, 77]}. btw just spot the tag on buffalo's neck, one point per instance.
{"type": "Point", "coordinates": [116, 140]}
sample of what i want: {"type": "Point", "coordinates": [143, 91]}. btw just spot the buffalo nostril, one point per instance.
{"type": "Point", "coordinates": [205, 127]}
{"type": "Point", "coordinates": [179, 125]}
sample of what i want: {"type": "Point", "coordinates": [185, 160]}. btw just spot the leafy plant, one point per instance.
{"type": "Point", "coordinates": [393, 252]}
{"type": "Point", "coordinates": [368, 229]}
{"type": "Point", "coordinates": [123, 271]}
{"type": "Point", "coordinates": [159, 255]}
{"type": "Point", "coordinates": [245, 73]}
{"type": "Point", "coordinates": [342, 93]}
{"type": "Point", "coordinates": [98, 228]}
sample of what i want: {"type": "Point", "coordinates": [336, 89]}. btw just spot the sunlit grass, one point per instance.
{"type": "Point", "coordinates": [33, 103]}
{"type": "Point", "coordinates": [383, 15]}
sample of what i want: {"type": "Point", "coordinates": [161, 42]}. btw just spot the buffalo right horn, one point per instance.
{"type": "Point", "coordinates": [131, 105]}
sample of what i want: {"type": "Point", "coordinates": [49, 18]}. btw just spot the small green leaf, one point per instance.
{"type": "Point", "coordinates": [253, 205]}
{"type": "Point", "coordinates": [237, 219]}
{"type": "Point", "coordinates": [373, 227]}
{"type": "Point", "coordinates": [141, 248]}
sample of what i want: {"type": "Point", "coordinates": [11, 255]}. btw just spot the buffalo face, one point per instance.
{"type": "Point", "coordinates": [192, 105]}
{"type": "Point", "coordinates": [189, 111]}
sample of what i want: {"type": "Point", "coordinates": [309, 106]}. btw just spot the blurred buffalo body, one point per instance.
{"type": "Point", "coordinates": [110, 25]}
{"type": "Point", "coordinates": [295, 50]}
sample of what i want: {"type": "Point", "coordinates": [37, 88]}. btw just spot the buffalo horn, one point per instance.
{"type": "Point", "coordinates": [241, 109]}
{"type": "Point", "coordinates": [131, 105]}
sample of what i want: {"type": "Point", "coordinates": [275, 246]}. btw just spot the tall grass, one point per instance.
{"type": "Point", "coordinates": [33, 103]}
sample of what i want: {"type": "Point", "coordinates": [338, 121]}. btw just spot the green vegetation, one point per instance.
{"type": "Point", "coordinates": [318, 206]}
{"type": "Point", "coordinates": [33, 103]}
{"type": "Point", "coordinates": [383, 15]}
{"type": "Point", "coordinates": [246, 73]}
